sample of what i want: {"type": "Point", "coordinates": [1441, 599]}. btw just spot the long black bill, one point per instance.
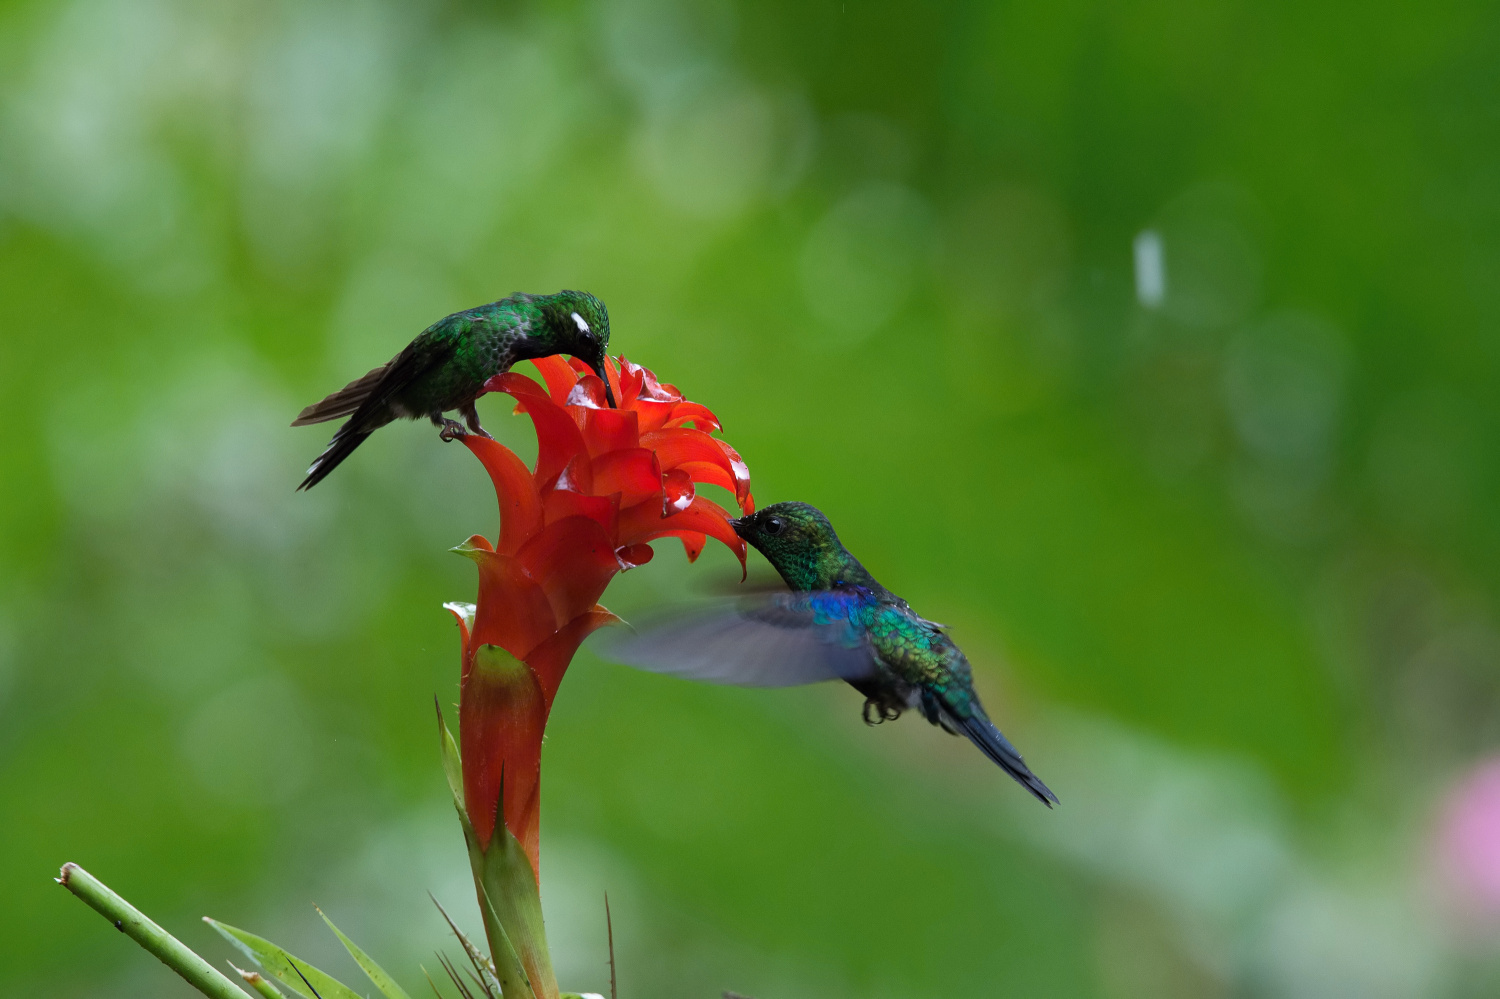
{"type": "Point", "coordinates": [609, 395]}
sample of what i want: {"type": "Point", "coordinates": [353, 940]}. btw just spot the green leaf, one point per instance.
{"type": "Point", "coordinates": [470, 550]}
{"type": "Point", "coordinates": [283, 966]}
{"type": "Point", "coordinates": [514, 982]}
{"type": "Point", "coordinates": [373, 971]}
{"type": "Point", "coordinates": [453, 767]}
{"type": "Point", "coordinates": [510, 882]}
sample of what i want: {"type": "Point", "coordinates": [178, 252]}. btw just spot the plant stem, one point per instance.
{"type": "Point", "coordinates": [259, 983]}
{"type": "Point", "coordinates": [134, 924]}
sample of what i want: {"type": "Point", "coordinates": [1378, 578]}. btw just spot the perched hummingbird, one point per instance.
{"type": "Point", "coordinates": [446, 366]}
{"type": "Point", "coordinates": [837, 623]}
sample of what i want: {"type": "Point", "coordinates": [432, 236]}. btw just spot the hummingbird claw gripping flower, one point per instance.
{"type": "Point", "coordinates": [607, 482]}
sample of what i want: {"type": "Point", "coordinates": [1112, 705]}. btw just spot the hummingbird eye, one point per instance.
{"type": "Point", "coordinates": [773, 526]}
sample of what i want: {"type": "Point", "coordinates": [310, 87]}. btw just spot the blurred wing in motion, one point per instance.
{"type": "Point", "coordinates": [781, 640]}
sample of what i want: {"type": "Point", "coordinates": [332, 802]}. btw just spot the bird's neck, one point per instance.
{"type": "Point", "coordinates": [826, 570]}
{"type": "Point", "coordinates": [538, 336]}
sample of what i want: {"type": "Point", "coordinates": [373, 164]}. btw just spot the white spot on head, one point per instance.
{"type": "Point", "coordinates": [583, 327]}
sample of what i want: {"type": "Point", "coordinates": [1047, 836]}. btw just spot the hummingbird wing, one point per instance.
{"type": "Point", "coordinates": [343, 402]}
{"type": "Point", "coordinates": [779, 640]}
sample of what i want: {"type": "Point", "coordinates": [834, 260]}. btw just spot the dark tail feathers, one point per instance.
{"type": "Point", "coordinates": [983, 733]}
{"type": "Point", "coordinates": [343, 402]}
{"type": "Point", "coordinates": [343, 444]}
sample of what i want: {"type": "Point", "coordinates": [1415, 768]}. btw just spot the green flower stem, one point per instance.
{"type": "Point", "coordinates": [134, 924]}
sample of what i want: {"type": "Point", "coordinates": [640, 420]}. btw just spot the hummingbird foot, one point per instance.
{"type": "Point", "coordinates": [877, 711]}
{"type": "Point", "coordinates": [452, 430]}
{"type": "Point", "coordinates": [471, 418]}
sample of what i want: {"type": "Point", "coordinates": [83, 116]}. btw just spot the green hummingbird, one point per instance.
{"type": "Point", "coordinates": [446, 366]}
{"type": "Point", "coordinates": [837, 622]}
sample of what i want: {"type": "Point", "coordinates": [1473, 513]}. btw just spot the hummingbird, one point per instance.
{"type": "Point", "coordinates": [837, 622]}
{"type": "Point", "coordinates": [446, 366]}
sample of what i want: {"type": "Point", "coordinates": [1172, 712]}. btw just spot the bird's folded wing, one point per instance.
{"type": "Point", "coordinates": [778, 641]}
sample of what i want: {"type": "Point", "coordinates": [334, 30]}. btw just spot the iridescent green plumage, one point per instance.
{"type": "Point", "coordinates": [444, 369]}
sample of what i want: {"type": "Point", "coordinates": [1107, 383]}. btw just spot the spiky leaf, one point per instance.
{"type": "Point", "coordinates": [481, 962]}
{"type": "Point", "coordinates": [284, 966]}
{"type": "Point", "coordinates": [373, 971]}
{"type": "Point", "coordinates": [452, 766]}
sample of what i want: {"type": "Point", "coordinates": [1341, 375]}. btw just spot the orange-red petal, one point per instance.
{"type": "Point", "coordinates": [588, 393]}
{"type": "Point", "coordinates": [557, 436]}
{"type": "Point", "coordinates": [644, 521]}
{"type": "Point", "coordinates": [549, 661]}
{"type": "Point", "coordinates": [681, 445]}
{"type": "Point", "coordinates": [607, 430]}
{"type": "Point", "coordinates": [741, 473]}
{"type": "Point", "coordinates": [692, 543]}
{"type": "Point", "coordinates": [560, 378]}
{"type": "Point", "coordinates": [630, 382]}
{"type": "Point", "coordinates": [709, 473]}
{"type": "Point", "coordinates": [633, 472]}
{"type": "Point", "coordinates": [578, 476]}
{"type": "Point", "coordinates": [562, 503]}
{"type": "Point", "coordinates": [651, 415]}
{"type": "Point", "coordinates": [520, 507]}
{"type": "Point", "coordinates": [513, 610]}
{"type": "Point", "coordinates": [695, 413]}
{"type": "Point", "coordinates": [573, 560]}
{"type": "Point", "coordinates": [612, 372]}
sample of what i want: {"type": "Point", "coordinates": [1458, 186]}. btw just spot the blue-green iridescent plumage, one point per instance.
{"type": "Point", "coordinates": [444, 369]}
{"type": "Point", "coordinates": [838, 621]}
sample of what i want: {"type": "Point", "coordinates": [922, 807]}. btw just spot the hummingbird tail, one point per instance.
{"type": "Point", "coordinates": [343, 402]}
{"type": "Point", "coordinates": [983, 733]}
{"type": "Point", "coordinates": [343, 444]}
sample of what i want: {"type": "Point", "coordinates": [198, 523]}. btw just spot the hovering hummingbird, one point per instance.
{"type": "Point", "coordinates": [446, 366]}
{"type": "Point", "coordinates": [837, 623]}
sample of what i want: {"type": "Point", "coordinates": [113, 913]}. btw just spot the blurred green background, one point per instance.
{"type": "Point", "coordinates": [1155, 348]}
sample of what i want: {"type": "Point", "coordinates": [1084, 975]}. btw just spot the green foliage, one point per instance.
{"type": "Point", "coordinates": [373, 971]}
{"type": "Point", "coordinates": [292, 971]}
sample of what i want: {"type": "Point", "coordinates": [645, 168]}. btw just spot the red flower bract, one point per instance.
{"type": "Point", "coordinates": [606, 482]}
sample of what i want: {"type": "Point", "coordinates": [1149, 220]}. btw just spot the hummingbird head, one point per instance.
{"type": "Point", "coordinates": [578, 324]}
{"type": "Point", "coordinates": [798, 541]}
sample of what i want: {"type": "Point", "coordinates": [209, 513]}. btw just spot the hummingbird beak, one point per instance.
{"type": "Point", "coordinates": [609, 394]}
{"type": "Point", "coordinates": [737, 523]}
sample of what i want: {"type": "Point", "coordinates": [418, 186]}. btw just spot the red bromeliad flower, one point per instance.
{"type": "Point", "coordinates": [606, 482]}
